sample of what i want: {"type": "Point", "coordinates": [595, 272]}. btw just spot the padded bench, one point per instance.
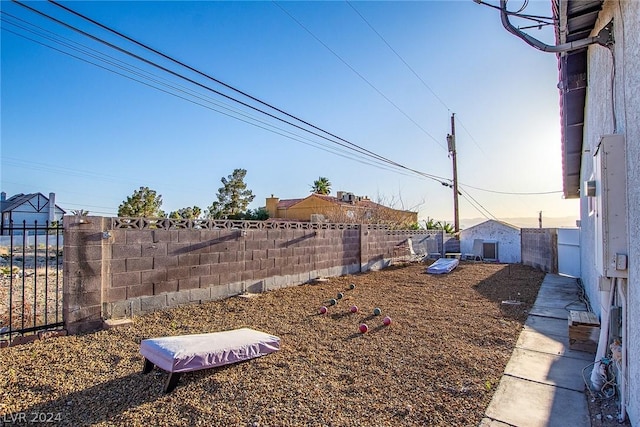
{"type": "Point", "coordinates": [186, 353]}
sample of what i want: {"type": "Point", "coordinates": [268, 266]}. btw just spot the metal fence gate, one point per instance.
{"type": "Point", "coordinates": [569, 251]}
{"type": "Point", "coordinates": [30, 278]}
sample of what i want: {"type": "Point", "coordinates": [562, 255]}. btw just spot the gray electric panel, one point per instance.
{"type": "Point", "coordinates": [610, 170]}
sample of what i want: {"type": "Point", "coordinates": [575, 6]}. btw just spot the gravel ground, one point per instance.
{"type": "Point", "coordinates": [437, 364]}
{"type": "Point", "coordinates": [31, 280]}
{"type": "Point", "coordinates": [28, 296]}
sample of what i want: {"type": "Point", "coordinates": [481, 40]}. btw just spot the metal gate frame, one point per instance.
{"type": "Point", "coordinates": [569, 252]}
{"type": "Point", "coordinates": [31, 283]}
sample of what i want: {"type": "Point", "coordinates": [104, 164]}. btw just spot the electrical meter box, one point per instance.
{"type": "Point", "coordinates": [610, 207]}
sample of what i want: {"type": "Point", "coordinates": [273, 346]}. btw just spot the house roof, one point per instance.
{"type": "Point", "coordinates": [18, 200]}
{"type": "Point", "coordinates": [288, 203]}
{"type": "Point", "coordinates": [15, 201]}
{"type": "Point", "coordinates": [575, 21]}
{"type": "Point", "coordinates": [515, 227]}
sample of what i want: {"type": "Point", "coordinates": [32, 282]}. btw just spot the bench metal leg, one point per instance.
{"type": "Point", "coordinates": [148, 366]}
{"type": "Point", "coordinates": [172, 381]}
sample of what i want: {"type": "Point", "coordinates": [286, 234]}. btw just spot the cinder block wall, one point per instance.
{"type": "Point", "coordinates": [154, 269]}
{"type": "Point", "coordinates": [112, 272]}
{"type": "Point", "coordinates": [540, 248]}
{"type": "Point", "coordinates": [83, 271]}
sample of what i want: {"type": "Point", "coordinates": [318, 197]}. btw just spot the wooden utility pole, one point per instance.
{"type": "Point", "coordinates": [451, 143]}
{"type": "Point", "coordinates": [540, 219]}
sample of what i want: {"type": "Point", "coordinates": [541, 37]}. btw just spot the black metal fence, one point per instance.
{"type": "Point", "coordinates": [30, 278]}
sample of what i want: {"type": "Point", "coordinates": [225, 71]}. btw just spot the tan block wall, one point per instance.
{"type": "Point", "coordinates": [540, 248]}
{"type": "Point", "coordinates": [117, 273]}
{"type": "Point", "coordinates": [83, 270]}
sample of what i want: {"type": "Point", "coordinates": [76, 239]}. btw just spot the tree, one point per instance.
{"type": "Point", "coordinates": [384, 211]}
{"type": "Point", "coordinates": [445, 226]}
{"type": "Point", "coordinates": [144, 203]}
{"type": "Point", "coordinates": [260, 214]}
{"type": "Point", "coordinates": [186, 213]}
{"type": "Point", "coordinates": [233, 197]}
{"type": "Point", "coordinates": [432, 224]}
{"type": "Point", "coordinates": [321, 185]}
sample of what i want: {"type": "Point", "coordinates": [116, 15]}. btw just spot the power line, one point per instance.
{"type": "Point", "coordinates": [475, 207]}
{"type": "Point", "coordinates": [511, 193]}
{"type": "Point", "coordinates": [468, 196]}
{"type": "Point", "coordinates": [201, 73]}
{"type": "Point", "coordinates": [359, 75]}
{"type": "Point", "coordinates": [208, 99]}
{"type": "Point", "coordinates": [380, 164]}
{"type": "Point", "coordinates": [536, 18]}
{"type": "Point", "coordinates": [354, 147]}
{"type": "Point", "coordinates": [373, 156]}
{"type": "Point", "coordinates": [286, 134]}
{"type": "Point", "coordinates": [444, 104]}
{"type": "Point", "coordinates": [470, 136]}
{"type": "Point", "coordinates": [83, 205]}
{"type": "Point", "coordinates": [398, 55]}
{"type": "Point", "coordinates": [346, 144]}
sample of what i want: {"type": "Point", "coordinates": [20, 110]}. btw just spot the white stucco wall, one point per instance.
{"type": "Point", "coordinates": [508, 239]}
{"type": "Point", "coordinates": [599, 120]}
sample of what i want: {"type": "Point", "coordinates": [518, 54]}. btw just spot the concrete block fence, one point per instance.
{"type": "Point", "coordinates": [539, 248]}
{"type": "Point", "coordinates": [120, 267]}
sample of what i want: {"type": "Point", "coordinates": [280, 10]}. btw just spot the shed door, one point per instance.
{"type": "Point", "coordinates": [569, 251]}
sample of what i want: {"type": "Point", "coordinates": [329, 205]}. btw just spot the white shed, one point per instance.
{"type": "Point", "coordinates": [500, 241]}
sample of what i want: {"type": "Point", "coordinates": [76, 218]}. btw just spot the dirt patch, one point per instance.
{"type": "Point", "coordinates": [30, 297]}
{"type": "Point", "coordinates": [437, 364]}
{"type": "Point", "coordinates": [604, 411]}
{"type": "Point", "coordinates": [30, 287]}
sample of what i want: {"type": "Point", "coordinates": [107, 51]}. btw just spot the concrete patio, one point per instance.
{"type": "Point", "coordinates": [542, 385]}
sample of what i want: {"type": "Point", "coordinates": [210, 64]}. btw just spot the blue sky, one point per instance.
{"type": "Point", "coordinates": [93, 137]}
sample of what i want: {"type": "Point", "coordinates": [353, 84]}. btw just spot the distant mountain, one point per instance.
{"type": "Point", "coordinates": [526, 222]}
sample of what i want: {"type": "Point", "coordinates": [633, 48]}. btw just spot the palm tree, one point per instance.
{"type": "Point", "coordinates": [321, 185]}
{"type": "Point", "coordinates": [445, 226]}
{"type": "Point", "coordinates": [432, 224]}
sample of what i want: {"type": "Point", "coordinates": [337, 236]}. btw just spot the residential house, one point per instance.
{"type": "Point", "coordinates": [500, 241]}
{"type": "Point", "coordinates": [344, 208]}
{"type": "Point", "coordinates": [600, 121]}
{"type": "Point", "coordinates": [29, 209]}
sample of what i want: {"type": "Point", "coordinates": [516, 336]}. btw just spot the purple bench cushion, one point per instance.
{"type": "Point", "coordinates": [186, 353]}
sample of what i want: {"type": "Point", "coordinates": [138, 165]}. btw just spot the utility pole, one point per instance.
{"type": "Point", "coordinates": [540, 219]}
{"type": "Point", "coordinates": [451, 143]}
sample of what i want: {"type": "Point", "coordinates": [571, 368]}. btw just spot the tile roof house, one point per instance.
{"type": "Point", "coordinates": [345, 208]}
{"type": "Point", "coordinates": [29, 209]}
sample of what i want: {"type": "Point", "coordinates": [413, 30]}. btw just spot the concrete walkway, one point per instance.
{"type": "Point", "coordinates": [542, 385]}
